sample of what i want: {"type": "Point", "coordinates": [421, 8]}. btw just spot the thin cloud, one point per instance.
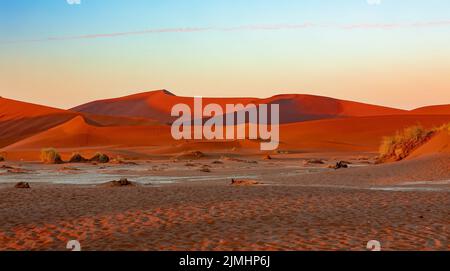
{"type": "Point", "coordinates": [368, 26]}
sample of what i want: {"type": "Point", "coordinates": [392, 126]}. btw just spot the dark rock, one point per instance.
{"type": "Point", "coordinates": [22, 185]}
{"type": "Point", "coordinates": [340, 165]}
{"type": "Point", "coordinates": [121, 183]}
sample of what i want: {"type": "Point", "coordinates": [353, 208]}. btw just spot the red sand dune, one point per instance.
{"type": "Point", "coordinates": [76, 133]}
{"type": "Point", "coordinates": [19, 120]}
{"type": "Point", "coordinates": [433, 110]}
{"type": "Point", "coordinates": [351, 134]}
{"type": "Point", "coordinates": [134, 122]}
{"type": "Point", "coordinates": [439, 143]}
{"type": "Point", "coordinates": [293, 107]}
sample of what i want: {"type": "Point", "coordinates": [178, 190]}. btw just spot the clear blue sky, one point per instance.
{"type": "Point", "coordinates": [370, 63]}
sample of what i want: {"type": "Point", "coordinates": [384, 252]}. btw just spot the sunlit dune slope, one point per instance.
{"type": "Point", "coordinates": [439, 143]}
{"type": "Point", "coordinates": [19, 120]}
{"type": "Point", "coordinates": [352, 134]}
{"type": "Point", "coordinates": [293, 107]}
{"type": "Point", "coordinates": [432, 110]}
{"type": "Point", "coordinates": [76, 133]}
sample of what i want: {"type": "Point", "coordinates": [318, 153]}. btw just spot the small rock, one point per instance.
{"type": "Point", "coordinates": [315, 161]}
{"type": "Point", "coordinates": [340, 165]}
{"type": "Point", "coordinates": [205, 168]}
{"type": "Point", "coordinates": [122, 182]}
{"type": "Point", "coordinates": [22, 185]}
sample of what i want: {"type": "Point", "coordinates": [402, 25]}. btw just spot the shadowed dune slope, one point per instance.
{"type": "Point", "coordinates": [76, 133]}
{"type": "Point", "coordinates": [19, 120]}
{"type": "Point", "coordinates": [293, 107]}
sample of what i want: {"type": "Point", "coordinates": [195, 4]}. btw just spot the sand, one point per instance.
{"type": "Point", "coordinates": [183, 201]}
{"type": "Point", "coordinates": [138, 126]}
{"type": "Point", "coordinates": [306, 208]}
{"type": "Point", "coordinates": [293, 107]}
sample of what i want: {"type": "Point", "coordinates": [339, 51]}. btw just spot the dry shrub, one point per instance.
{"type": "Point", "coordinates": [3, 156]}
{"type": "Point", "coordinates": [50, 156]}
{"type": "Point", "coordinates": [400, 145]}
{"type": "Point", "coordinates": [100, 158]}
{"type": "Point", "coordinates": [443, 128]}
{"type": "Point", "coordinates": [77, 158]}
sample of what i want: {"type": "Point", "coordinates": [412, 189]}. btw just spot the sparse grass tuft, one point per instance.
{"type": "Point", "coordinates": [443, 128]}
{"type": "Point", "coordinates": [50, 156]}
{"type": "Point", "coordinates": [400, 145]}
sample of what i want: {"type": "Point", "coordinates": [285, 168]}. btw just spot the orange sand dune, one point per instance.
{"type": "Point", "coordinates": [102, 120]}
{"type": "Point", "coordinates": [439, 143]}
{"type": "Point", "coordinates": [13, 110]}
{"type": "Point", "coordinates": [18, 120]}
{"type": "Point", "coordinates": [132, 121]}
{"type": "Point", "coordinates": [433, 110]}
{"type": "Point", "coordinates": [76, 133]}
{"type": "Point", "coordinates": [351, 134]}
{"type": "Point", "coordinates": [293, 108]}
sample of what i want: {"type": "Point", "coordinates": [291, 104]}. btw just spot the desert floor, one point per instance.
{"type": "Point", "coordinates": [175, 205]}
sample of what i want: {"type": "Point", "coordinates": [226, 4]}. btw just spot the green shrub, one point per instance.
{"type": "Point", "coordinates": [50, 156]}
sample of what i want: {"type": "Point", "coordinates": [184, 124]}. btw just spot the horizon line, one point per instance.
{"type": "Point", "coordinates": [222, 97]}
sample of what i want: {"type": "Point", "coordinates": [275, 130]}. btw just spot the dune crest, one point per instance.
{"type": "Point", "coordinates": [293, 107]}
{"type": "Point", "coordinates": [19, 120]}
{"type": "Point", "coordinates": [308, 124]}
{"type": "Point", "coordinates": [433, 110]}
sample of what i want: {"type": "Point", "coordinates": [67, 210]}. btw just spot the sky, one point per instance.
{"type": "Point", "coordinates": [387, 52]}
